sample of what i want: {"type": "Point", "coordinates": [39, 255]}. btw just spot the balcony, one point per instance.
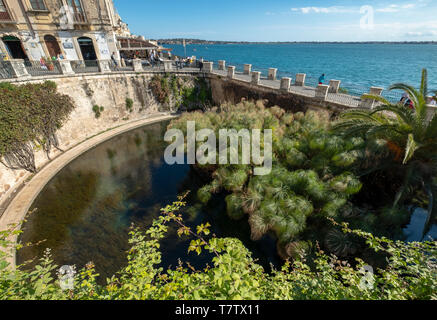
{"type": "Point", "coordinates": [7, 17]}
{"type": "Point", "coordinates": [79, 18]}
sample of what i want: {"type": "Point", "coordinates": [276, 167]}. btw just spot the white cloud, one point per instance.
{"type": "Point", "coordinates": [340, 9]}
{"type": "Point", "coordinates": [396, 7]}
{"type": "Point", "coordinates": [307, 10]}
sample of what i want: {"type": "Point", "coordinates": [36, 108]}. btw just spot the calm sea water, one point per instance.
{"type": "Point", "coordinates": [359, 66]}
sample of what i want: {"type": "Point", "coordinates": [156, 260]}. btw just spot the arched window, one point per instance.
{"type": "Point", "coordinates": [38, 5]}
{"type": "Point", "coordinates": [52, 45]}
{"type": "Point", "coordinates": [14, 47]}
{"type": "Point", "coordinates": [87, 48]}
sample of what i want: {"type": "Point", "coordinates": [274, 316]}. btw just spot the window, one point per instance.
{"type": "Point", "coordinates": [77, 10]}
{"type": "Point", "coordinates": [38, 5]}
{"type": "Point", "coordinates": [2, 6]}
{"type": "Point", "coordinates": [4, 14]}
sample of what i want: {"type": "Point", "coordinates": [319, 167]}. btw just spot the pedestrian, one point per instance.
{"type": "Point", "coordinates": [322, 79]}
{"type": "Point", "coordinates": [201, 65]}
{"type": "Point", "coordinates": [114, 59]}
{"type": "Point", "coordinates": [433, 101]}
{"type": "Point", "coordinates": [406, 101]}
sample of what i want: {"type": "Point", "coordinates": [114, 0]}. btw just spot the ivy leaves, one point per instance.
{"type": "Point", "coordinates": [30, 115]}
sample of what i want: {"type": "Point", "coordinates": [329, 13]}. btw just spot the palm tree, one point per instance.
{"type": "Point", "coordinates": [410, 135]}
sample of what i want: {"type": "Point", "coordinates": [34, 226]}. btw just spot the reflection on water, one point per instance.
{"type": "Point", "coordinates": [85, 212]}
{"type": "Point", "coordinates": [414, 231]}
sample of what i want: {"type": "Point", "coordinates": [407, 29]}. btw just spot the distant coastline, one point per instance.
{"type": "Point", "coordinates": [179, 41]}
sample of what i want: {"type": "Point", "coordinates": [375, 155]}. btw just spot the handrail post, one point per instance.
{"type": "Point", "coordinates": [300, 79]}
{"type": "Point", "coordinates": [231, 72]}
{"type": "Point", "coordinates": [272, 73]}
{"type": "Point", "coordinates": [256, 77]}
{"type": "Point", "coordinates": [285, 84]}
{"type": "Point", "coordinates": [370, 103]}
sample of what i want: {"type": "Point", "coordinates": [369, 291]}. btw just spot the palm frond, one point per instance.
{"type": "Point", "coordinates": [424, 83]}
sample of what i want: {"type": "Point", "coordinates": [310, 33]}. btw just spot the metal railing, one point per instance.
{"type": "Point", "coordinates": [5, 70]}
{"type": "Point", "coordinates": [85, 66]}
{"type": "Point", "coordinates": [41, 68]}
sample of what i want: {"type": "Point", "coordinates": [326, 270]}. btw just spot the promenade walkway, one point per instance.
{"type": "Point", "coordinates": [310, 92]}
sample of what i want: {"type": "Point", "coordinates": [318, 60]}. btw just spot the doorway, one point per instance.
{"type": "Point", "coordinates": [52, 46]}
{"type": "Point", "coordinates": [87, 48]}
{"type": "Point", "coordinates": [14, 47]}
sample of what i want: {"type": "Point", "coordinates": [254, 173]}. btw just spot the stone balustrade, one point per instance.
{"type": "Point", "coordinates": [322, 92]}
{"type": "Point", "coordinates": [256, 77]}
{"type": "Point", "coordinates": [285, 84]}
{"type": "Point", "coordinates": [21, 70]}
{"type": "Point", "coordinates": [370, 103]}
{"type": "Point", "coordinates": [138, 65]}
{"type": "Point", "coordinates": [300, 79]}
{"type": "Point", "coordinates": [104, 65]}
{"type": "Point", "coordinates": [207, 67]}
{"type": "Point", "coordinates": [272, 73]}
{"type": "Point", "coordinates": [334, 86]}
{"type": "Point", "coordinates": [222, 65]}
{"type": "Point", "coordinates": [231, 72]}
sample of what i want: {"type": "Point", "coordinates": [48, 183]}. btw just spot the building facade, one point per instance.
{"type": "Point", "coordinates": [75, 29]}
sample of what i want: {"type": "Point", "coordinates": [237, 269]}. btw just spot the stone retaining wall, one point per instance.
{"type": "Point", "coordinates": [109, 91]}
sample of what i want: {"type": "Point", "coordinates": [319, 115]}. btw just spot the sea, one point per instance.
{"type": "Point", "coordinates": [358, 66]}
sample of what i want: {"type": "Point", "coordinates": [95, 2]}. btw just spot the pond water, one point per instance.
{"type": "Point", "coordinates": [414, 231]}
{"type": "Point", "coordinates": [84, 213]}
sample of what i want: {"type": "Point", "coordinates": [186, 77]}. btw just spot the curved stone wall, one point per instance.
{"type": "Point", "coordinates": [109, 91]}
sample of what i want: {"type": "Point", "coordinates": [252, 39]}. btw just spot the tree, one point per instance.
{"type": "Point", "coordinates": [409, 134]}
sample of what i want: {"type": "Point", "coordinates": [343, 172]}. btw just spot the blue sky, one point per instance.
{"type": "Point", "coordinates": [281, 20]}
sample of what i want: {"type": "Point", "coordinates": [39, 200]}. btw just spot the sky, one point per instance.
{"type": "Point", "coordinates": [282, 20]}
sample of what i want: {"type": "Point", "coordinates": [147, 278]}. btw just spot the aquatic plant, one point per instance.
{"type": "Point", "coordinates": [311, 174]}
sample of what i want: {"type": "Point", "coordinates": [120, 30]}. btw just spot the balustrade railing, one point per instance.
{"type": "Point", "coordinates": [42, 68]}
{"type": "Point", "coordinates": [85, 66]}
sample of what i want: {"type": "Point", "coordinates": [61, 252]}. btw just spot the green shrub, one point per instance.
{"type": "Point", "coordinates": [30, 115]}
{"type": "Point", "coordinates": [234, 274]}
{"type": "Point", "coordinates": [129, 104]}
{"type": "Point", "coordinates": [98, 111]}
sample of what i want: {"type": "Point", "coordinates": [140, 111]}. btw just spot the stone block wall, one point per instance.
{"type": "Point", "coordinates": [107, 91]}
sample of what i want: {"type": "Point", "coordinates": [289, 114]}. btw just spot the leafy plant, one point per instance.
{"type": "Point", "coordinates": [310, 178]}
{"type": "Point", "coordinates": [411, 274]}
{"type": "Point", "coordinates": [129, 104]}
{"type": "Point", "coordinates": [410, 135]}
{"type": "Point", "coordinates": [98, 111]}
{"type": "Point", "coordinates": [30, 115]}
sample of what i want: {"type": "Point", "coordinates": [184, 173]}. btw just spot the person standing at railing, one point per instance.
{"type": "Point", "coordinates": [322, 79]}
{"type": "Point", "coordinates": [114, 60]}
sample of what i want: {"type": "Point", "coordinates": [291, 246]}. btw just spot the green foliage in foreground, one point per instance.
{"type": "Point", "coordinates": [411, 273]}
{"type": "Point", "coordinates": [30, 115]}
